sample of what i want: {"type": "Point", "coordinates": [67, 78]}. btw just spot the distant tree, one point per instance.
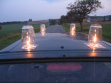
{"type": "Point", "coordinates": [52, 22]}
{"type": "Point", "coordinates": [30, 20]}
{"type": "Point", "coordinates": [70, 16]}
{"type": "Point", "coordinates": [81, 8]}
{"type": "Point", "coordinates": [63, 19]}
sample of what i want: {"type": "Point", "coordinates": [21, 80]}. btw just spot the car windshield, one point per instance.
{"type": "Point", "coordinates": [54, 41]}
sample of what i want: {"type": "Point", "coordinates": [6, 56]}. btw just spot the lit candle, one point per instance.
{"type": "Point", "coordinates": [72, 30]}
{"type": "Point", "coordinates": [95, 36]}
{"type": "Point", "coordinates": [28, 37]}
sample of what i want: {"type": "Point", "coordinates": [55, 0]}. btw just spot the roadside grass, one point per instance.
{"type": "Point", "coordinates": [10, 29]}
{"type": "Point", "coordinates": [106, 30]}
{"type": "Point", "coordinates": [11, 33]}
{"type": "Point", "coordinates": [9, 40]}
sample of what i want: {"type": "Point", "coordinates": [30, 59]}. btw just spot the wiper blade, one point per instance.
{"type": "Point", "coordinates": [55, 60]}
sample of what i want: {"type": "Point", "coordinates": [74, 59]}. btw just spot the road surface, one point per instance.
{"type": "Point", "coordinates": [59, 29]}
{"type": "Point", "coordinates": [55, 29]}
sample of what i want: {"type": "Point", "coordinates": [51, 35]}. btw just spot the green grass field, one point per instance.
{"type": "Point", "coordinates": [11, 33]}
{"type": "Point", "coordinates": [106, 30]}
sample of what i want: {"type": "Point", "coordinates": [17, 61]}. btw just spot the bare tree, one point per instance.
{"type": "Point", "coordinates": [81, 8]}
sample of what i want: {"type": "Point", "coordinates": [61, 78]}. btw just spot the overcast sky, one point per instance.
{"type": "Point", "coordinates": [22, 10]}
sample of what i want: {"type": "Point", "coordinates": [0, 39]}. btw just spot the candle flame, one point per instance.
{"type": "Point", "coordinates": [72, 33]}
{"type": "Point", "coordinates": [28, 44]}
{"type": "Point", "coordinates": [73, 28]}
{"type": "Point", "coordinates": [42, 29]}
{"type": "Point", "coordinates": [95, 30]}
{"type": "Point", "coordinates": [95, 38]}
{"type": "Point", "coordinates": [42, 33]}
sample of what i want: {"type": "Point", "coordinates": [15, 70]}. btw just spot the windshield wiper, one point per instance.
{"type": "Point", "coordinates": [55, 60]}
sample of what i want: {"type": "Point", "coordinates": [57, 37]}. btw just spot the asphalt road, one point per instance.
{"type": "Point", "coordinates": [55, 29]}
{"type": "Point", "coordinates": [59, 29]}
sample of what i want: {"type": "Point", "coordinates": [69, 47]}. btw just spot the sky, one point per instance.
{"type": "Point", "coordinates": [23, 10]}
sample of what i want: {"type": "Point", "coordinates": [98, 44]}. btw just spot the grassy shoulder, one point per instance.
{"type": "Point", "coordinates": [11, 33]}
{"type": "Point", "coordinates": [106, 30]}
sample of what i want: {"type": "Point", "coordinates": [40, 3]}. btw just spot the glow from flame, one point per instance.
{"type": "Point", "coordinates": [28, 44]}
{"type": "Point", "coordinates": [93, 54]}
{"type": "Point", "coordinates": [93, 49]}
{"type": "Point", "coordinates": [95, 39]}
{"type": "Point", "coordinates": [42, 32]}
{"type": "Point", "coordinates": [95, 30]}
{"type": "Point", "coordinates": [42, 29]}
{"type": "Point", "coordinates": [72, 33]}
{"type": "Point", "coordinates": [73, 29]}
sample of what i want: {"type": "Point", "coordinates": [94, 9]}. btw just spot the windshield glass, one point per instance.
{"type": "Point", "coordinates": [87, 72]}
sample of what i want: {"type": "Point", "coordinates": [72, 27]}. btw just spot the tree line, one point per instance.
{"type": "Point", "coordinates": [14, 22]}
